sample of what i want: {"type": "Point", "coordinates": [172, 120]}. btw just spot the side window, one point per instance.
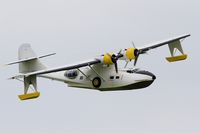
{"type": "Point", "coordinates": [111, 77]}
{"type": "Point", "coordinates": [81, 77]}
{"type": "Point", "coordinates": [72, 74]}
{"type": "Point", "coordinates": [117, 77]}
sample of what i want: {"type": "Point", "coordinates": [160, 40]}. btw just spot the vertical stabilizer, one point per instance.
{"type": "Point", "coordinates": [25, 52]}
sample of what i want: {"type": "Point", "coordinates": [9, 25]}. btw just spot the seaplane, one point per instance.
{"type": "Point", "coordinates": [99, 73]}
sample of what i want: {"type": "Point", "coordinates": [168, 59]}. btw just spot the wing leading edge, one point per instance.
{"type": "Point", "coordinates": [162, 43]}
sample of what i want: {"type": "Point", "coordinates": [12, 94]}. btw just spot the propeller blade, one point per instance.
{"type": "Point", "coordinates": [136, 58]}
{"type": "Point", "coordinates": [115, 58]}
{"type": "Point", "coordinates": [119, 52]}
{"type": "Point", "coordinates": [133, 44]}
{"type": "Point", "coordinates": [116, 67]}
{"type": "Point", "coordinates": [126, 64]}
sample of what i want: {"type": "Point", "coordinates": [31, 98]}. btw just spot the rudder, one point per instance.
{"type": "Point", "coordinates": [25, 52]}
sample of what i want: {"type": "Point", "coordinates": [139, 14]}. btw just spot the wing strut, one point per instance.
{"type": "Point", "coordinates": [97, 73]}
{"type": "Point", "coordinates": [84, 74]}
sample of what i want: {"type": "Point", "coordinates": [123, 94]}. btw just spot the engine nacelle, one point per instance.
{"type": "Point", "coordinates": [107, 59]}
{"type": "Point", "coordinates": [131, 53]}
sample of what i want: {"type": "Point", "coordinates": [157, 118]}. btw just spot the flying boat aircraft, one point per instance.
{"type": "Point", "coordinates": [99, 73]}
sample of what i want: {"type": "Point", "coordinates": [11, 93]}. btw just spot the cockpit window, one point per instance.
{"type": "Point", "coordinates": [138, 71]}
{"type": "Point", "coordinates": [129, 71]}
{"type": "Point", "coordinates": [132, 71]}
{"type": "Point", "coordinates": [72, 74]}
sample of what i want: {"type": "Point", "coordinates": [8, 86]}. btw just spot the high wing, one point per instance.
{"type": "Point", "coordinates": [162, 43]}
{"type": "Point", "coordinates": [57, 69]}
{"type": "Point", "coordinates": [108, 59]}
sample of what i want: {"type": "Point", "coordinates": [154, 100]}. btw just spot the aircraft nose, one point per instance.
{"type": "Point", "coordinates": [153, 77]}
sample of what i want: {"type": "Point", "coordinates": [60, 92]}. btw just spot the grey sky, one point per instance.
{"type": "Point", "coordinates": [81, 29]}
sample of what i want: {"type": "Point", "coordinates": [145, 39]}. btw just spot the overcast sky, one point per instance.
{"type": "Point", "coordinates": [81, 29]}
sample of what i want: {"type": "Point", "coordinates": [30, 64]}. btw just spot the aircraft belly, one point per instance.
{"type": "Point", "coordinates": [113, 87]}
{"type": "Point", "coordinates": [132, 86]}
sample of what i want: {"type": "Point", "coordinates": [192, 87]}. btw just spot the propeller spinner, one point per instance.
{"type": "Point", "coordinates": [109, 59]}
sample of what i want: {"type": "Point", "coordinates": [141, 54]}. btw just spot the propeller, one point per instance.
{"type": "Point", "coordinates": [115, 58]}
{"type": "Point", "coordinates": [133, 53]}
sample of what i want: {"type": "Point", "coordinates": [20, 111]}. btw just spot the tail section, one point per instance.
{"type": "Point", "coordinates": [29, 62]}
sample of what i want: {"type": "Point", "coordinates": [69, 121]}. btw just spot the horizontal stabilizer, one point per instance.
{"type": "Point", "coordinates": [29, 59]}
{"type": "Point", "coordinates": [19, 76]}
